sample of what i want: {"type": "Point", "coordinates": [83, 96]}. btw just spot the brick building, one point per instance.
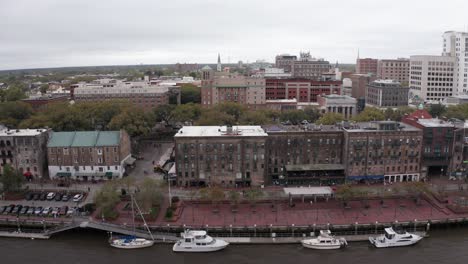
{"type": "Point", "coordinates": [220, 155]}
{"type": "Point", "coordinates": [40, 103]}
{"type": "Point", "coordinates": [285, 61]}
{"type": "Point", "coordinates": [219, 87]}
{"type": "Point", "coordinates": [24, 150]}
{"type": "Point", "coordinates": [382, 150]}
{"type": "Point", "coordinates": [397, 70]}
{"type": "Point", "coordinates": [310, 154]}
{"type": "Point", "coordinates": [366, 66]}
{"type": "Point", "coordinates": [88, 155]}
{"type": "Point", "coordinates": [303, 90]}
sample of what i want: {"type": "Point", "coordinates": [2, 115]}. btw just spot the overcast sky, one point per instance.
{"type": "Point", "coordinates": [55, 33]}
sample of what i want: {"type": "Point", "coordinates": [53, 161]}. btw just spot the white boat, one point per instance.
{"type": "Point", "coordinates": [132, 242]}
{"type": "Point", "coordinates": [198, 241]}
{"type": "Point", "coordinates": [391, 238]}
{"type": "Point", "coordinates": [324, 241]}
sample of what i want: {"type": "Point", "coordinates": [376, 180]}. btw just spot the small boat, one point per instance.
{"type": "Point", "coordinates": [198, 241]}
{"type": "Point", "coordinates": [131, 242]}
{"type": "Point", "coordinates": [391, 238]}
{"type": "Point", "coordinates": [324, 241]}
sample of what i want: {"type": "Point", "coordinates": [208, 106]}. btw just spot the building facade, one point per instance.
{"type": "Point", "coordinates": [25, 151]}
{"type": "Point", "coordinates": [382, 150]}
{"type": "Point", "coordinates": [219, 87]}
{"type": "Point", "coordinates": [397, 70]}
{"type": "Point", "coordinates": [215, 155]}
{"type": "Point", "coordinates": [88, 155]}
{"type": "Point", "coordinates": [456, 45]}
{"type": "Point", "coordinates": [285, 61]}
{"type": "Point", "coordinates": [386, 93]}
{"type": "Point", "coordinates": [303, 155]}
{"type": "Point", "coordinates": [308, 67]}
{"type": "Point", "coordinates": [41, 103]}
{"type": "Point", "coordinates": [303, 90]}
{"type": "Point", "coordinates": [366, 66]}
{"type": "Point", "coordinates": [431, 78]}
{"type": "Point", "coordinates": [340, 104]}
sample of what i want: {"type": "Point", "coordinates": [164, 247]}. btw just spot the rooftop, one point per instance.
{"type": "Point", "coordinates": [84, 139]}
{"type": "Point", "coordinates": [220, 131]}
{"type": "Point", "coordinates": [434, 122]}
{"type": "Point", "coordinates": [379, 126]}
{"type": "Point", "coordinates": [300, 128]}
{"type": "Point", "coordinates": [21, 132]}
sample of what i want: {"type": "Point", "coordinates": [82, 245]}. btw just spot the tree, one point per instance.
{"type": "Point", "coordinates": [313, 114]}
{"type": "Point", "coordinates": [11, 180]}
{"type": "Point", "coordinates": [397, 114]}
{"type": "Point", "coordinates": [164, 113]}
{"type": "Point", "coordinates": [44, 88]}
{"type": "Point", "coordinates": [212, 117]}
{"type": "Point", "coordinates": [234, 198]}
{"type": "Point", "coordinates": [293, 116]}
{"type": "Point", "coordinates": [370, 114]}
{"type": "Point", "coordinates": [12, 113]}
{"type": "Point", "coordinates": [216, 195]}
{"type": "Point", "coordinates": [187, 112]}
{"type": "Point", "coordinates": [107, 199]}
{"type": "Point", "coordinates": [345, 193]}
{"type": "Point", "coordinates": [457, 111]}
{"type": "Point", "coordinates": [253, 195]}
{"type": "Point", "coordinates": [233, 109]}
{"type": "Point", "coordinates": [330, 119]}
{"type": "Point", "coordinates": [135, 121]}
{"type": "Point", "coordinates": [149, 194]}
{"type": "Point", "coordinates": [254, 118]}
{"type": "Point", "coordinates": [190, 93]}
{"type": "Point", "coordinates": [437, 110]}
{"type": "Point", "coordinates": [13, 94]}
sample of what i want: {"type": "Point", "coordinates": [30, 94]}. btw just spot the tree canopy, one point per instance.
{"type": "Point", "coordinates": [330, 119]}
{"type": "Point", "coordinates": [370, 114]}
{"type": "Point", "coordinates": [11, 180]}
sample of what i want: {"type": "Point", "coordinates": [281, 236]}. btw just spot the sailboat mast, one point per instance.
{"type": "Point", "coordinates": [133, 215]}
{"type": "Point", "coordinates": [144, 221]}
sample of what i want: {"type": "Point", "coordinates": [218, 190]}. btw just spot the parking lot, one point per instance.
{"type": "Point", "coordinates": [53, 204]}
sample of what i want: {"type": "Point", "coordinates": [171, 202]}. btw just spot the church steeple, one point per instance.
{"type": "Point", "coordinates": [218, 67]}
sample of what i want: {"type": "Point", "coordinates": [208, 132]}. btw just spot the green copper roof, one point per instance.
{"type": "Point", "coordinates": [84, 139]}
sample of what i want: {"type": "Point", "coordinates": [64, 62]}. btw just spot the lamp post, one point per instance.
{"type": "Point", "coordinates": [169, 189]}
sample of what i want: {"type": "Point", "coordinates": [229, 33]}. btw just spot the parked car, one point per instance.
{"type": "Point", "coordinates": [71, 211]}
{"type": "Point", "coordinates": [50, 196]}
{"type": "Point", "coordinates": [16, 209]}
{"type": "Point", "coordinates": [29, 196]}
{"type": "Point", "coordinates": [24, 210]}
{"type": "Point", "coordinates": [2, 208]}
{"type": "Point", "coordinates": [46, 210]}
{"type": "Point", "coordinates": [30, 210]}
{"type": "Point", "coordinates": [65, 198]}
{"type": "Point", "coordinates": [63, 210]}
{"type": "Point", "coordinates": [55, 211]}
{"type": "Point", "coordinates": [8, 209]}
{"type": "Point", "coordinates": [77, 198]}
{"type": "Point", "coordinates": [43, 196]}
{"type": "Point", "coordinates": [36, 196]}
{"type": "Point", "coordinates": [38, 210]}
{"type": "Point", "coordinates": [58, 197]}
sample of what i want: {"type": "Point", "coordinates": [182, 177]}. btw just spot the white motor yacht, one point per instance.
{"type": "Point", "coordinates": [131, 243]}
{"type": "Point", "coordinates": [391, 238]}
{"type": "Point", "coordinates": [324, 241]}
{"type": "Point", "coordinates": [198, 241]}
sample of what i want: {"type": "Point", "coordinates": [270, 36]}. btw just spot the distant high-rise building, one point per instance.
{"type": "Point", "coordinates": [456, 45]}
{"type": "Point", "coordinates": [431, 78]}
{"type": "Point", "coordinates": [386, 93]}
{"type": "Point", "coordinates": [366, 66]}
{"type": "Point", "coordinates": [285, 61]}
{"type": "Point", "coordinates": [397, 70]}
{"type": "Point", "coordinates": [304, 67]}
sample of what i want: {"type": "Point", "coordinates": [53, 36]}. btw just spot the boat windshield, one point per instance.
{"type": "Point", "coordinates": [389, 236]}
{"type": "Point", "coordinates": [200, 237]}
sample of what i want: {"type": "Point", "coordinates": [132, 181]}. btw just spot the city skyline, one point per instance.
{"type": "Point", "coordinates": [87, 33]}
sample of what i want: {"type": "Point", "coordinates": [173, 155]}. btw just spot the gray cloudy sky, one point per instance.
{"type": "Point", "coordinates": [55, 33]}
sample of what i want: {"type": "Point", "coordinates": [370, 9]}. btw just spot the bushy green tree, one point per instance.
{"type": "Point", "coordinates": [330, 119]}
{"type": "Point", "coordinates": [107, 199]}
{"type": "Point", "coordinates": [190, 93]}
{"type": "Point", "coordinates": [11, 180]}
{"type": "Point", "coordinates": [437, 110]}
{"type": "Point", "coordinates": [370, 114]}
{"type": "Point", "coordinates": [293, 116]}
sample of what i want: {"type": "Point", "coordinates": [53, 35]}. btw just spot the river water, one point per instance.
{"type": "Point", "coordinates": [447, 246]}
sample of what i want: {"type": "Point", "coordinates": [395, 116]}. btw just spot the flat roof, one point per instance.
{"type": "Point", "coordinates": [301, 128]}
{"type": "Point", "coordinates": [21, 132]}
{"type": "Point", "coordinates": [221, 131]}
{"type": "Point", "coordinates": [325, 190]}
{"type": "Point", "coordinates": [434, 122]}
{"type": "Point", "coordinates": [84, 139]}
{"type": "Point", "coordinates": [370, 127]}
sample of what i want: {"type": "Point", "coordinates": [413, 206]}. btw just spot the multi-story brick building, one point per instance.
{"type": "Point", "coordinates": [310, 154]}
{"type": "Point", "coordinates": [386, 93]}
{"type": "Point", "coordinates": [340, 104]}
{"type": "Point", "coordinates": [285, 61]}
{"type": "Point", "coordinates": [382, 150]}
{"type": "Point", "coordinates": [24, 150]}
{"type": "Point", "coordinates": [397, 70]}
{"type": "Point", "coordinates": [41, 103]}
{"type": "Point", "coordinates": [219, 87]}
{"type": "Point", "coordinates": [220, 155]}
{"type": "Point", "coordinates": [88, 155]}
{"type": "Point", "coordinates": [310, 68]}
{"type": "Point", "coordinates": [140, 94]}
{"type": "Point", "coordinates": [303, 90]}
{"type": "Point", "coordinates": [366, 66]}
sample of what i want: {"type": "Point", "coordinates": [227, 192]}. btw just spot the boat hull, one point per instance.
{"type": "Point", "coordinates": [378, 244]}
{"type": "Point", "coordinates": [140, 244]}
{"type": "Point", "coordinates": [219, 245]}
{"type": "Point", "coordinates": [326, 247]}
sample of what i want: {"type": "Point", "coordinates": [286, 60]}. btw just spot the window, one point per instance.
{"type": "Point", "coordinates": [99, 151]}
